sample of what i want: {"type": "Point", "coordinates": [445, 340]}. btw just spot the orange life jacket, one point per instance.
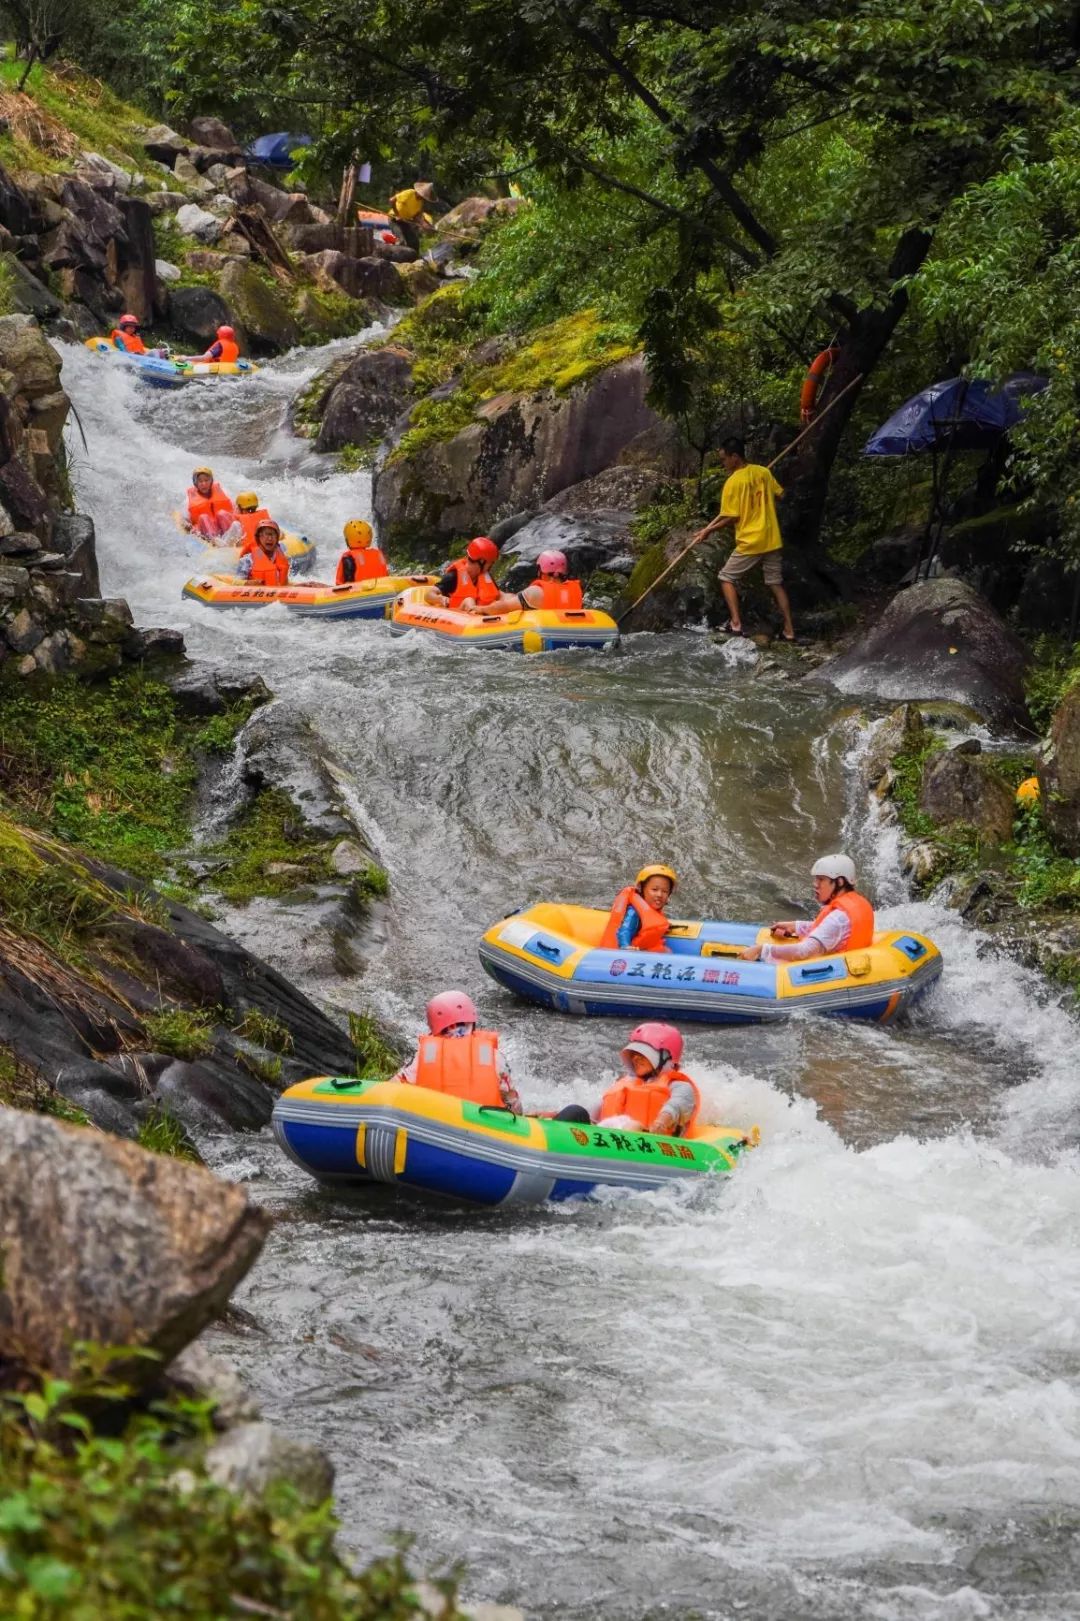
{"type": "Point", "coordinates": [654, 925]}
{"type": "Point", "coordinates": [559, 593]}
{"type": "Point", "coordinates": [643, 1101]}
{"type": "Point", "coordinates": [230, 351]}
{"type": "Point", "coordinates": [462, 1066]}
{"type": "Point", "coordinates": [272, 570]}
{"type": "Point", "coordinates": [820, 367]}
{"type": "Point", "coordinates": [249, 522]}
{"type": "Point", "coordinates": [482, 590]}
{"type": "Point", "coordinates": [207, 506]}
{"type": "Point", "coordinates": [128, 341]}
{"type": "Point", "coordinates": [861, 913]}
{"type": "Point", "coordinates": [368, 564]}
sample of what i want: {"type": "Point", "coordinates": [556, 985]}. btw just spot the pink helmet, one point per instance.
{"type": "Point", "coordinates": [450, 1007]}
{"type": "Point", "coordinates": [659, 1043]}
{"type": "Point", "coordinates": [553, 563]}
{"type": "Point", "coordinates": [127, 319]}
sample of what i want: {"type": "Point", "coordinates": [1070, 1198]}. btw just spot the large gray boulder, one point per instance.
{"type": "Point", "coordinates": [197, 312]}
{"type": "Point", "coordinates": [961, 788]}
{"type": "Point", "coordinates": [937, 639]}
{"type": "Point", "coordinates": [366, 399]}
{"type": "Point", "coordinates": [1059, 775]}
{"type": "Point", "coordinates": [102, 1241]}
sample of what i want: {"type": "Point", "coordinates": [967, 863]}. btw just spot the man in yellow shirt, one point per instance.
{"type": "Point", "coordinates": [408, 208]}
{"type": "Point", "coordinates": [748, 503]}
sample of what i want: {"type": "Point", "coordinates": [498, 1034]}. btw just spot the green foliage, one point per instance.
{"type": "Point", "coordinates": [162, 1133]}
{"type": "Point", "coordinates": [1054, 669]}
{"type": "Point", "coordinates": [265, 1030]}
{"type": "Point", "coordinates": [270, 833]}
{"type": "Point", "coordinates": [218, 735]}
{"type": "Point", "coordinates": [1047, 878]}
{"type": "Point", "coordinates": [674, 507]}
{"type": "Point", "coordinates": [107, 767]}
{"type": "Point", "coordinates": [185, 1032]}
{"type": "Point", "coordinates": [48, 895]}
{"type": "Point", "coordinates": [375, 1058]}
{"type": "Point", "coordinates": [98, 119]}
{"type": "Point", "coordinates": [21, 1087]}
{"type": "Point", "coordinates": [7, 285]}
{"type": "Point", "coordinates": [114, 1516]}
{"type": "Point", "coordinates": [357, 458]}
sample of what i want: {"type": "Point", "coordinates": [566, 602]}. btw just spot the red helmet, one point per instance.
{"type": "Point", "coordinates": [127, 319]}
{"type": "Point", "coordinates": [482, 550]}
{"type": "Point", "coordinates": [553, 563]}
{"type": "Point", "coordinates": [659, 1043]}
{"type": "Point", "coordinates": [225, 332]}
{"type": "Point", "coordinates": [268, 523]}
{"type": "Point", "coordinates": [450, 1007]}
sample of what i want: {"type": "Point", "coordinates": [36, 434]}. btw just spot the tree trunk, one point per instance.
{"type": "Point", "coordinates": [868, 334]}
{"type": "Point", "coordinates": [31, 58]}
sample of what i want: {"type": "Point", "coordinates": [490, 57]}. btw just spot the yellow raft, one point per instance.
{"type": "Point", "coordinates": [367, 599]}
{"type": "Point", "coordinates": [527, 630]}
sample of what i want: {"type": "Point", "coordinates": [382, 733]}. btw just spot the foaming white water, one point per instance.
{"type": "Point", "coordinates": [817, 1389]}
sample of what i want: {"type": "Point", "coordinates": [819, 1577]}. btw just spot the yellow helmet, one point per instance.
{"type": "Point", "coordinates": [247, 501]}
{"type": "Point", "coordinates": [655, 872]}
{"type": "Point", "coordinates": [199, 471]}
{"type": "Point", "coordinates": [357, 533]}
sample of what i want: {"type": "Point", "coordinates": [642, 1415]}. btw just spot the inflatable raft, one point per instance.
{"type": "Point", "coordinates": [368, 599]}
{"type": "Point", "coordinates": [223, 559]}
{"type": "Point", "coordinates": [529, 630]}
{"type": "Point", "coordinates": [349, 1131]}
{"type": "Point", "coordinates": [551, 954]}
{"type": "Point", "coordinates": [165, 372]}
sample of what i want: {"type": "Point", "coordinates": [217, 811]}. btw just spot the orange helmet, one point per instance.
{"type": "Point", "coordinates": [268, 523]}
{"type": "Point", "coordinates": [225, 332]}
{"type": "Point", "coordinates": [482, 550]}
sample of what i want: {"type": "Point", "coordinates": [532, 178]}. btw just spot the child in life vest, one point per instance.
{"type": "Point", "coordinates": [637, 921]}
{"type": "Point", "coordinates": [361, 560]}
{"type": "Point", "coordinates": [466, 584]}
{"type": "Point", "coordinates": [266, 563]}
{"type": "Point", "coordinates": [654, 1095]}
{"type": "Point", "coordinates": [844, 923]}
{"type": "Point", "coordinates": [209, 510]}
{"type": "Point", "coordinates": [550, 589]}
{"type": "Point", "coordinates": [249, 515]}
{"type": "Point", "coordinates": [457, 1058]}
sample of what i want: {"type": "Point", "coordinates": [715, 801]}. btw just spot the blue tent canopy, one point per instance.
{"type": "Point", "coordinates": [276, 150]}
{"type": "Point", "coordinates": [958, 414]}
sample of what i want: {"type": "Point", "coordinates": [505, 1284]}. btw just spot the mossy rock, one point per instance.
{"type": "Point", "coordinates": [260, 306]}
{"type": "Point", "coordinates": [324, 315]}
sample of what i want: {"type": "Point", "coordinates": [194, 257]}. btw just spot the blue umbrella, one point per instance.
{"type": "Point", "coordinates": [957, 414]}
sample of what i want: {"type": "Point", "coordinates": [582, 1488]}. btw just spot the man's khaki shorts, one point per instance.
{"type": "Point", "coordinates": [739, 564]}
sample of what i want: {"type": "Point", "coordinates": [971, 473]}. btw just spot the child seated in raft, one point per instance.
{"type": "Point", "coordinates": [249, 515]}
{"type": "Point", "coordinates": [209, 513]}
{"type": "Point", "coordinates": [361, 560]}
{"type": "Point", "coordinates": [637, 921]}
{"type": "Point", "coordinates": [550, 589]}
{"type": "Point", "coordinates": [457, 1058]}
{"type": "Point", "coordinates": [655, 1095]}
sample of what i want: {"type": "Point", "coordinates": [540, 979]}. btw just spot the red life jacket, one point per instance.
{"type": "Point", "coordinates": [643, 1101]}
{"type": "Point", "coordinates": [559, 593]}
{"type": "Point", "coordinates": [249, 522]}
{"type": "Point", "coordinates": [482, 590]}
{"type": "Point", "coordinates": [272, 570]}
{"type": "Point", "coordinates": [861, 913]}
{"type": "Point", "coordinates": [230, 351]}
{"type": "Point", "coordinates": [368, 563]}
{"type": "Point", "coordinates": [654, 925]}
{"type": "Point", "coordinates": [128, 341]}
{"type": "Point", "coordinates": [462, 1066]}
{"type": "Point", "coordinates": [207, 506]}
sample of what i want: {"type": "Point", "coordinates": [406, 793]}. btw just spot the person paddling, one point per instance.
{"type": "Point", "coordinates": [457, 1058]}
{"type": "Point", "coordinates": [637, 921]}
{"type": "Point", "coordinates": [844, 923]}
{"type": "Point", "coordinates": [266, 564]}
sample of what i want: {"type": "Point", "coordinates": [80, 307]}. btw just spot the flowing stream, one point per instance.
{"type": "Point", "coordinates": [842, 1383]}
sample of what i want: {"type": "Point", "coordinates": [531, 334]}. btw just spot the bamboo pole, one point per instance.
{"type": "Point", "coordinates": [700, 536]}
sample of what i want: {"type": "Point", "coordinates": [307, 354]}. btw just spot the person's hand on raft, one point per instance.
{"type": "Point", "coordinates": [750, 953]}
{"type": "Point", "coordinates": [784, 931]}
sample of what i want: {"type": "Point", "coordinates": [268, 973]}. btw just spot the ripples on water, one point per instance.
{"type": "Point", "coordinates": [841, 1384]}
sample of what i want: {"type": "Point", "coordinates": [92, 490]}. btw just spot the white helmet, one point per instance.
{"type": "Point", "coordinates": [837, 866]}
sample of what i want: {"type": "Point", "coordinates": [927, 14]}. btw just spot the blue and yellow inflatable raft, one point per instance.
{"type": "Point", "coordinates": [551, 954]}
{"type": "Point", "coordinates": [356, 1132]}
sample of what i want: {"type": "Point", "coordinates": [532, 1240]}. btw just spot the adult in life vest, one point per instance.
{"type": "Point", "coordinates": [249, 515]}
{"type": "Point", "coordinates": [224, 347]}
{"type": "Point", "coordinates": [637, 921]}
{"type": "Point", "coordinates": [361, 560]}
{"type": "Point", "coordinates": [845, 921]}
{"type": "Point", "coordinates": [458, 1058]}
{"type": "Point", "coordinates": [467, 584]}
{"type": "Point", "coordinates": [654, 1094]}
{"type": "Point", "coordinates": [210, 512]}
{"type": "Point", "coordinates": [125, 335]}
{"type": "Point", "coordinates": [550, 589]}
{"type": "Point", "coordinates": [267, 564]}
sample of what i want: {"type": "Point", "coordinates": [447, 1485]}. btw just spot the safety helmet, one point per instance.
{"type": "Point", "coordinates": [835, 866]}
{"type": "Point", "coordinates": [655, 872]}
{"type": "Point", "coordinates": [450, 1007]}
{"type": "Point", "coordinates": [357, 532]}
{"type": "Point", "coordinates": [553, 563]}
{"type": "Point", "coordinates": [127, 319]}
{"type": "Point", "coordinates": [226, 332]}
{"type": "Point", "coordinates": [482, 550]}
{"type": "Point", "coordinates": [659, 1043]}
{"type": "Point", "coordinates": [267, 523]}
{"type": "Point", "coordinates": [247, 501]}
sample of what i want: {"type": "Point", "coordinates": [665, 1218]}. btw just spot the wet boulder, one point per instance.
{"type": "Point", "coordinates": [253, 1457]}
{"type": "Point", "coordinates": [366, 398]}
{"type": "Point", "coordinates": [101, 1241]}
{"type": "Point", "coordinates": [195, 313]}
{"type": "Point", "coordinates": [937, 639]}
{"type": "Point", "coordinates": [961, 788]}
{"type": "Point", "coordinates": [73, 536]}
{"type": "Point", "coordinates": [199, 223]}
{"type": "Point", "coordinates": [1059, 775]}
{"type": "Point", "coordinates": [262, 310]}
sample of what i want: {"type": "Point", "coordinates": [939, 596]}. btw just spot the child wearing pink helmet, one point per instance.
{"type": "Point", "coordinates": [457, 1058]}
{"type": "Point", "coordinates": [655, 1094]}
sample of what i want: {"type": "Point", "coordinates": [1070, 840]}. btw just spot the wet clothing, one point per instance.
{"type": "Point", "coordinates": [558, 594]}
{"type": "Point", "coordinates": [668, 1101]}
{"type": "Point", "coordinates": [227, 350]}
{"type": "Point", "coordinates": [211, 514]}
{"type": "Point", "coordinates": [261, 569]}
{"type": "Point", "coordinates": [361, 563]}
{"type": "Point", "coordinates": [749, 496]}
{"type": "Point", "coordinates": [130, 342]}
{"type": "Point", "coordinates": [634, 925]}
{"type": "Point", "coordinates": [478, 1073]}
{"type": "Point", "coordinates": [846, 924]}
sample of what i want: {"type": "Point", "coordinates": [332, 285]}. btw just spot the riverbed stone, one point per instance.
{"type": "Point", "coordinates": [262, 310]}
{"type": "Point", "coordinates": [255, 1456]}
{"type": "Point", "coordinates": [937, 639]}
{"type": "Point", "coordinates": [962, 788]}
{"type": "Point", "coordinates": [23, 633]}
{"type": "Point", "coordinates": [103, 1241]}
{"type": "Point", "coordinates": [198, 222]}
{"type": "Point", "coordinates": [367, 397]}
{"type": "Point", "coordinates": [200, 1373]}
{"type": "Point", "coordinates": [1059, 775]}
{"type": "Point", "coordinates": [197, 312]}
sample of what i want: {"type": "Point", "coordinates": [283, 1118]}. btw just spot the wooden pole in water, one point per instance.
{"type": "Point", "coordinates": [698, 538]}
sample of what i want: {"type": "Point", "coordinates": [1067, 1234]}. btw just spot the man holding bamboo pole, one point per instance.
{"type": "Point", "coordinates": [748, 504]}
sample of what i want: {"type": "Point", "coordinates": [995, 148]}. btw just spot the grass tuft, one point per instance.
{"type": "Point", "coordinates": [185, 1032]}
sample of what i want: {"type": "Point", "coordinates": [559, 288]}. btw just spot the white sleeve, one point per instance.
{"type": "Point", "coordinates": [833, 932]}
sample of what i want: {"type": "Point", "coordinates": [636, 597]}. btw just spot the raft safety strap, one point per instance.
{"type": "Point", "coordinates": [361, 1145]}
{"type": "Point", "coordinates": [717, 948]}
{"type": "Point", "coordinates": [401, 1143]}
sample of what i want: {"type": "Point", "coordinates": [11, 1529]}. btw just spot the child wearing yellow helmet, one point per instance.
{"type": "Point", "coordinates": [637, 921]}
{"type": "Point", "coordinates": [249, 515]}
{"type": "Point", "coordinates": [361, 560]}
